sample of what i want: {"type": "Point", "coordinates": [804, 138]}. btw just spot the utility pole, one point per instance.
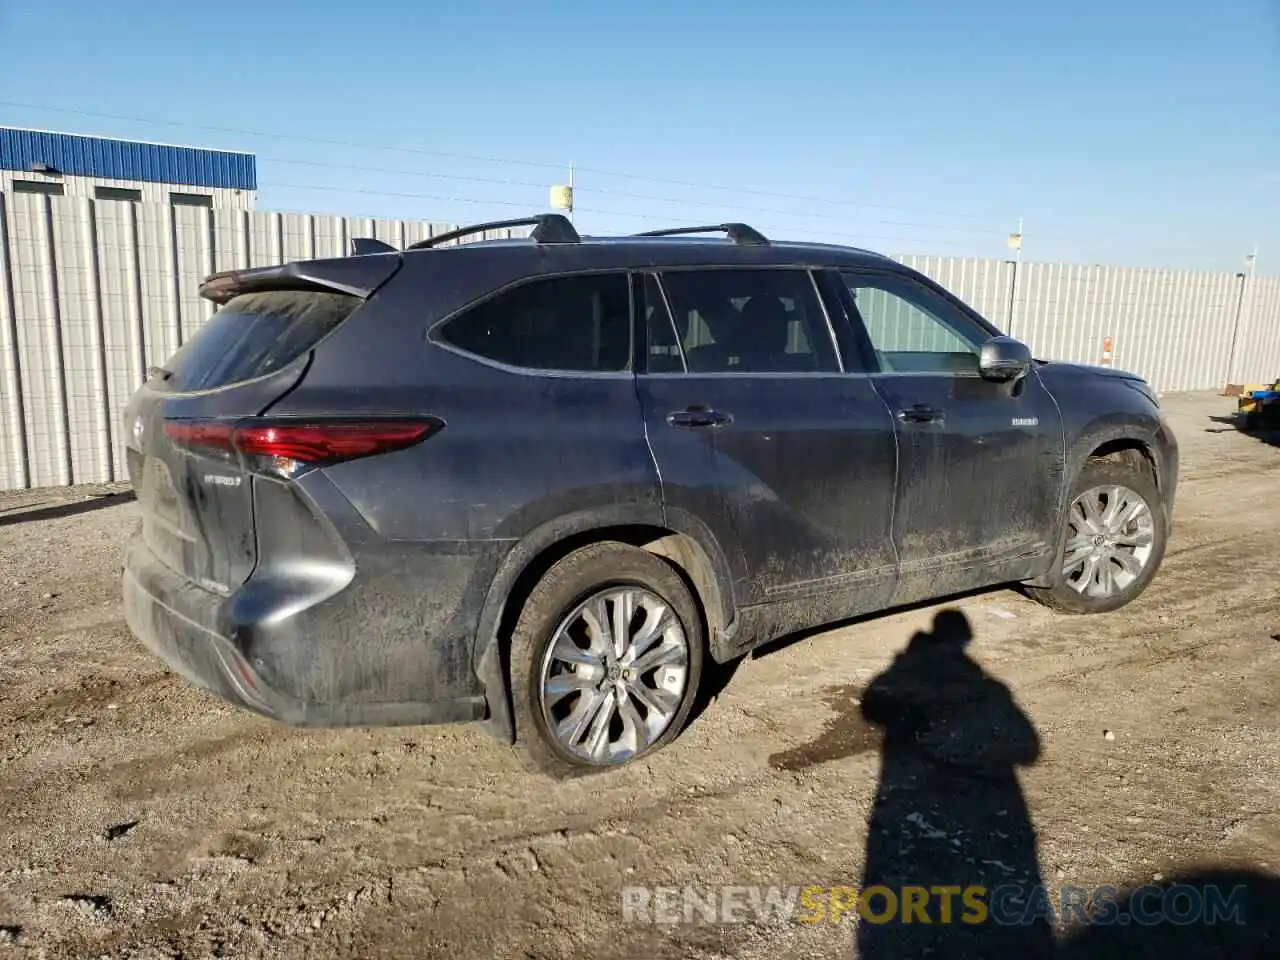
{"type": "Point", "coordinates": [1015, 241]}
{"type": "Point", "coordinates": [1246, 281]}
{"type": "Point", "coordinates": [571, 204]}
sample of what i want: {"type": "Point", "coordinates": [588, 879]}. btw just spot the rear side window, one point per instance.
{"type": "Point", "coordinates": [580, 324]}
{"type": "Point", "coordinates": [255, 334]}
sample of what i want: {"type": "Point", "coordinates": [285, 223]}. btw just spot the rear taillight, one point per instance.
{"type": "Point", "coordinates": [290, 449]}
{"type": "Point", "coordinates": [204, 437]}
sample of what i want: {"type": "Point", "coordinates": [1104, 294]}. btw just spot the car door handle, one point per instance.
{"type": "Point", "coordinates": [919, 413]}
{"type": "Point", "coordinates": [698, 416]}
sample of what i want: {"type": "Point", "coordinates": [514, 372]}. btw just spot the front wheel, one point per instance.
{"type": "Point", "coordinates": [1114, 541]}
{"type": "Point", "coordinates": [605, 660]}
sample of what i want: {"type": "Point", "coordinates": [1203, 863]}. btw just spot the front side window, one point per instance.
{"type": "Point", "coordinates": [749, 321]}
{"type": "Point", "coordinates": [580, 323]}
{"type": "Point", "coordinates": [912, 328]}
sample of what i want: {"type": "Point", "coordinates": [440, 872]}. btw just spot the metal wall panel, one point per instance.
{"type": "Point", "coordinates": [266, 239]}
{"type": "Point", "coordinates": [1173, 327]}
{"type": "Point", "coordinates": [39, 341]}
{"type": "Point", "coordinates": [80, 341]}
{"type": "Point", "coordinates": [127, 160]}
{"type": "Point", "coordinates": [93, 292]}
{"type": "Point", "coordinates": [77, 186]}
{"type": "Point", "coordinates": [331, 236]}
{"type": "Point", "coordinates": [193, 255]}
{"type": "Point", "coordinates": [13, 428]}
{"type": "Point", "coordinates": [297, 236]}
{"type": "Point", "coordinates": [1257, 352]}
{"type": "Point", "coordinates": [119, 293]}
{"type": "Point", "coordinates": [161, 332]}
{"type": "Point", "coordinates": [982, 284]}
{"type": "Point", "coordinates": [231, 240]}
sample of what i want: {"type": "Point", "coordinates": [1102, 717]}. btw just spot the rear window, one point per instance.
{"type": "Point", "coordinates": [255, 334]}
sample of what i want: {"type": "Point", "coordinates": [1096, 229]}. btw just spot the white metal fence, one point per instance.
{"type": "Point", "coordinates": [1181, 329]}
{"type": "Point", "coordinates": [93, 292]}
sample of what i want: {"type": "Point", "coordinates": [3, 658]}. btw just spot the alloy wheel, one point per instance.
{"type": "Point", "coordinates": [615, 675]}
{"type": "Point", "coordinates": [1110, 540]}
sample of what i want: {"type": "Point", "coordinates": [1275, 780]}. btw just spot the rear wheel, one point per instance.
{"type": "Point", "coordinates": [1114, 541]}
{"type": "Point", "coordinates": [605, 660]}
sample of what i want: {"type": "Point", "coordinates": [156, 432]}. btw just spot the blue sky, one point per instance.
{"type": "Point", "coordinates": [1142, 132]}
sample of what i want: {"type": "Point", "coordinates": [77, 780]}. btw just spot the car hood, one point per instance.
{"type": "Point", "coordinates": [1086, 368]}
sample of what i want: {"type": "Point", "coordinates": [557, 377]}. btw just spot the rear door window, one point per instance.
{"type": "Point", "coordinates": [578, 324]}
{"type": "Point", "coordinates": [255, 334]}
{"type": "Point", "coordinates": [747, 321]}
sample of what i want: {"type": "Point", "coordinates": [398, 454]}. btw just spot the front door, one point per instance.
{"type": "Point", "coordinates": [981, 463]}
{"type": "Point", "coordinates": [754, 424]}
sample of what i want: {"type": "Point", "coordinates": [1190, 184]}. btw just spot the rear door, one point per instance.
{"type": "Point", "coordinates": [980, 462]}
{"type": "Point", "coordinates": [196, 500]}
{"type": "Point", "coordinates": [758, 431]}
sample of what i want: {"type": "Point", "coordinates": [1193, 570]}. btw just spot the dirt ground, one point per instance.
{"type": "Point", "coordinates": [141, 817]}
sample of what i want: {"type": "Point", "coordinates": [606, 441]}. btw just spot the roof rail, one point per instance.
{"type": "Point", "coordinates": [547, 228]}
{"type": "Point", "coordinates": [739, 233]}
{"type": "Point", "coordinates": [363, 245]}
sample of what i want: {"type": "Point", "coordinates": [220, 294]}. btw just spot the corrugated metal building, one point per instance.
{"type": "Point", "coordinates": [70, 165]}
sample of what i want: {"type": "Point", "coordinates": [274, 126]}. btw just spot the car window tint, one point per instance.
{"type": "Point", "coordinates": [750, 321]}
{"type": "Point", "coordinates": [580, 323]}
{"type": "Point", "coordinates": [912, 328]}
{"type": "Point", "coordinates": [255, 334]}
{"type": "Point", "coordinates": [665, 355]}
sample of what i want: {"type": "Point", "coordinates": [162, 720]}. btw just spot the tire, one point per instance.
{"type": "Point", "coordinates": [1060, 588]}
{"type": "Point", "coordinates": [1253, 420]}
{"type": "Point", "coordinates": [587, 576]}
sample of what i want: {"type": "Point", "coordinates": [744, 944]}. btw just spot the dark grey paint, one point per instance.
{"type": "Point", "coordinates": [376, 591]}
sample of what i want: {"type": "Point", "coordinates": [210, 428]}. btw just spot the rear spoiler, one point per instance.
{"type": "Point", "coordinates": [358, 276]}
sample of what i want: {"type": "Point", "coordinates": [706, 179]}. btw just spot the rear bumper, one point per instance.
{"type": "Point", "coordinates": [187, 627]}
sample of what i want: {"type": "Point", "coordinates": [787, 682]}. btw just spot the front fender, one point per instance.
{"type": "Point", "coordinates": [1148, 430]}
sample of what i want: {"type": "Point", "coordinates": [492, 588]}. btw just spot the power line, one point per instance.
{"type": "Point", "coordinates": [856, 238]}
{"type": "Point", "coordinates": [240, 131]}
{"type": "Point", "coordinates": [657, 218]}
{"type": "Point", "coordinates": [322, 164]}
{"type": "Point", "coordinates": [803, 198]}
{"type": "Point", "coordinates": [403, 196]}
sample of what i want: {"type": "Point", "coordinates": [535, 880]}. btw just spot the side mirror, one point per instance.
{"type": "Point", "coordinates": [1004, 359]}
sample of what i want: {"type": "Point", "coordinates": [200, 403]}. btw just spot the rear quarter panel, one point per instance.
{"type": "Point", "coordinates": [519, 453]}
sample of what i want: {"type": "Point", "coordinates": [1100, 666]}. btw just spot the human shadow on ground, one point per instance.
{"type": "Point", "coordinates": [1201, 914]}
{"type": "Point", "coordinates": [949, 818]}
{"type": "Point", "coordinates": [951, 866]}
{"type": "Point", "coordinates": [716, 677]}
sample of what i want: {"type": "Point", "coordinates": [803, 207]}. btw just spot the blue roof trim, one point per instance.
{"type": "Point", "coordinates": [127, 160]}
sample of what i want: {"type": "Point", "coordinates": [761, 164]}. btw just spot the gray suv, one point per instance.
{"type": "Point", "coordinates": [538, 482]}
